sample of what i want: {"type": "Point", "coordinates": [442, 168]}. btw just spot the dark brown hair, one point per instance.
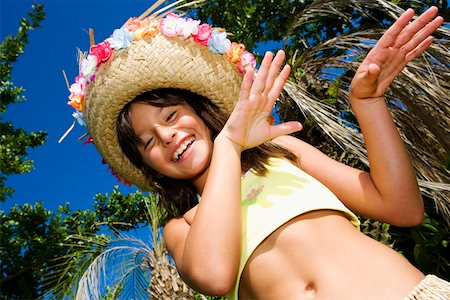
{"type": "Point", "coordinates": [178, 196]}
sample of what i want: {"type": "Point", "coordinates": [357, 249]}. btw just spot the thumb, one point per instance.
{"type": "Point", "coordinates": [372, 72]}
{"type": "Point", "coordinates": [285, 128]}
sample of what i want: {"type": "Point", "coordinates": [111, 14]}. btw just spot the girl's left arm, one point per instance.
{"type": "Point", "coordinates": [390, 191]}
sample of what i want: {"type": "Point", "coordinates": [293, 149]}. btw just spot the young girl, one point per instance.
{"type": "Point", "coordinates": [256, 213]}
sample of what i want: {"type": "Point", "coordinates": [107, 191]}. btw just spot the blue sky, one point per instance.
{"type": "Point", "coordinates": [69, 171]}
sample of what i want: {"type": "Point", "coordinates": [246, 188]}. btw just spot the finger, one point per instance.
{"type": "Point", "coordinates": [274, 70]}
{"type": "Point", "coordinates": [367, 77]}
{"type": "Point", "coordinates": [373, 70]}
{"type": "Point", "coordinates": [423, 34]}
{"type": "Point", "coordinates": [421, 23]}
{"type": "Point", "coordinates": [279, 83]}
{"type": "Point", "coordinates": [246, 85]}
{"type": "Point", "coordinates": [389, 37]}
{"type": "Point", "coordinates": [419, 49]}
{"type": "Point", "coordinates": [285, 128]}
{"type": "Point", "coordinates": [260, 80]}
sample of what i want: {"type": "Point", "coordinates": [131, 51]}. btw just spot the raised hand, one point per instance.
{"type": "Point", "coordinates": [248, 125]}
{"type": "Point", "coordinates": [401, 43]}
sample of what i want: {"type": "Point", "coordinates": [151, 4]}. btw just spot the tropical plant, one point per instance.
{"type": "Point", "coordinates": [123, 266]}
{"type": "Point", "coordinates": [14, 142]}
{"type": "Point", "coordinates": [325, 41]}
{"type": "Point", "coordinates": [35, 242]}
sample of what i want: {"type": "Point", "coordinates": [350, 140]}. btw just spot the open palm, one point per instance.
{"type": "Point", "coordinates": [248, 124]}
{"type": "Point", "coordinates": [401, 43]}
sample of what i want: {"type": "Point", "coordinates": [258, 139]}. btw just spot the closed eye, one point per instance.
{"type": "Point", "coordinates": [170, 116]}
{"type": "Point", "coordinates": [148, 143]}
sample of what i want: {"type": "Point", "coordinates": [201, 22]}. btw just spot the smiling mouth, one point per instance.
{"type": "Point", "coordinates": [182, 148]}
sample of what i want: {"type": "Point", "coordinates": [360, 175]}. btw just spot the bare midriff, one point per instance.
{"type": "Point", "coordinates": [321, 255]}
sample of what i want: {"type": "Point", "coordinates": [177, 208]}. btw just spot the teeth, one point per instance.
{"type": "Point", "coordinates": [182, 148]}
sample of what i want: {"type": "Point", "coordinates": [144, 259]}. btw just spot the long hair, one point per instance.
{"type": "Point", "coordinates": [178, 196]}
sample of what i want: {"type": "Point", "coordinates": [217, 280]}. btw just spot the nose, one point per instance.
{"type": "Point", "coordinates": [166, 134]}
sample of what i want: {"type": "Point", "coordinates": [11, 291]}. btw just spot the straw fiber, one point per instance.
{"type": "Point", "coordinates": [146, 65]}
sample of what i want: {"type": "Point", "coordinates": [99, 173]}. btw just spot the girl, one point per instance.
{"type": "Point", "coordinates": [273, 219]}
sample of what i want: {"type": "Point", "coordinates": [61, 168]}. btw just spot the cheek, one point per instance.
{"type": "Point", "coordinates": [153, 159]}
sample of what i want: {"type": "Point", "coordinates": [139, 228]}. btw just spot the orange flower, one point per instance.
{"type": "Point", "coordinates": [146, 28]}
{"type": "Point", "coordinates": [151, 27]}
{"type": "Point", "coordinates": [235, 51]}
{"type": "Point", "coordinates": [76, 102]}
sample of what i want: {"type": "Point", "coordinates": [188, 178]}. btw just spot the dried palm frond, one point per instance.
{"type": "Point", "coordinates": [418, 98]}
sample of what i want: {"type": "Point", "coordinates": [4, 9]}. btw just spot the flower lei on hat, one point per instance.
{"type": "Point", "coordinates": [172, 25]}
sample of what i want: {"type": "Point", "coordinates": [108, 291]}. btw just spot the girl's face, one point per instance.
{"type": "Point", "coordinates": [174, 141]}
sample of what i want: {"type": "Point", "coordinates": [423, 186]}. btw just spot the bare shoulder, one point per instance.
{"type": "Point", "coordinates": [175, 233]}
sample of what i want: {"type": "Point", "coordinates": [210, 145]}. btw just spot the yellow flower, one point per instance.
{"type": "Point", "coordinates": [235, 51]}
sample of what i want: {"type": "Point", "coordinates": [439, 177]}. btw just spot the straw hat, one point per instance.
{"type": "Point", "coordinates": [149, 53]}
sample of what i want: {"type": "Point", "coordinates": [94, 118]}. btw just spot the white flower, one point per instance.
{"type": "Point", "coordinates": [219, 43]}
{"type": "Point", "coordinates": [187, 27]}
{"type": "Point", "coordinates": [80, 118]}
{"type": "Point", "coordinates": [88, 66]}
{"type": "Point", "coordinates": [121, 38]}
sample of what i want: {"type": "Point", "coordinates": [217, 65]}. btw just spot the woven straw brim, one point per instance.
{"type": "Point", "coordinates": [150, 64]}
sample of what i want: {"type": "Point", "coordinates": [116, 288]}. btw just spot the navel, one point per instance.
{"type": "Point", "coordinates": [310, 291]}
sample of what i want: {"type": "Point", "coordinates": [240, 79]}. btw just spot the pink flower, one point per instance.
{"type": "Point", "coordinates": [133, 24]}
{"type": "Point", "coordinates": [102, 51]}
{"type": "Point", "coordinates": [248, 61]}
{"type": "Point", "coordinates": [203, 35]}
{"type": "Point", "coordinates": [116, 175]}
{"type": "Point", "coordinates": [168, 25]}
{"type": "Point", "coordinates": [76, 89]}
{"type": "Point", "coordinates": [187, 27]}
{"type": "Point", "coordinates": [81, 81]}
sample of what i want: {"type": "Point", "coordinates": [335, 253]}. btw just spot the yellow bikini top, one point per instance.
{"type": "Point", "coordinates": [272, 200]}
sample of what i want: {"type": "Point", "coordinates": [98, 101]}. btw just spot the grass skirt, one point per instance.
{"type": "Point", "coordinates": [431, 288]}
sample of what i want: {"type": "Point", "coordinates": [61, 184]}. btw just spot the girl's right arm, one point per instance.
{"type": "Point", "coordinates": [207, 251]}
